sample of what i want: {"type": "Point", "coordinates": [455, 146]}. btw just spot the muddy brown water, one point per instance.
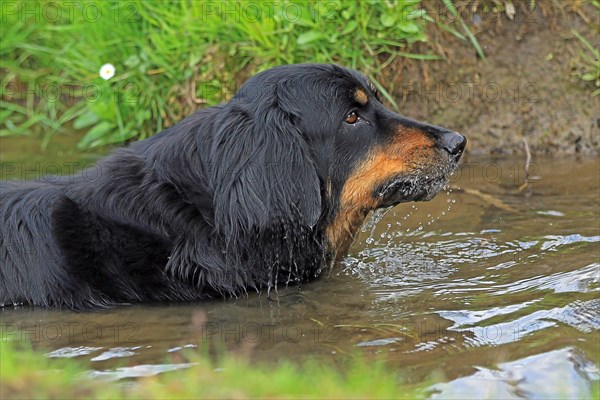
{"type": "Point", "coordinates": [486, 290]}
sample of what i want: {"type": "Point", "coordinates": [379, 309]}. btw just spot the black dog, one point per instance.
{"type": "Point", "coordinates": [269, 187]}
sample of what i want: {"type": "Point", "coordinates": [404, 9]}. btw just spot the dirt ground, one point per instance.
{"type": "Point", "coordinates": [526, 88]}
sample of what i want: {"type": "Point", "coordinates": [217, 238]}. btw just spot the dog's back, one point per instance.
{"type": "Point", "coordinates": [30, 264]}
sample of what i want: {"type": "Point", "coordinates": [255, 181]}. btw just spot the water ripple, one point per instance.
{"type": "Point", "coordinates": [117, 352]}
{"type": "Point", "coordinates": [137, 371]}
{"type": "Point", "coordinates": [580, 280]}
{"type": "Point", "coordinates": [581, 315]}
{"type": "Point", "coordinates": [70, 352]}
{"type": "Point", "coordinates": [554, 241]}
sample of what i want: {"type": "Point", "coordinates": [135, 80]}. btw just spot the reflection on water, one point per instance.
{"type": "Point", "coordinates": [529, 377]}
{"type": "Point", "coordinates": [495, 297]}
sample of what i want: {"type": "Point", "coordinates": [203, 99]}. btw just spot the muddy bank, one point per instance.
{"type": "Point", "coordinates": [526, 88]}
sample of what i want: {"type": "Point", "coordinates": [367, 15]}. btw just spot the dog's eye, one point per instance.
{"type": "Point", "coordinates": [352, 118]}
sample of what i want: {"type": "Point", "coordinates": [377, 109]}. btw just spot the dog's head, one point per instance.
{"type": "Point", "coordinates": [313, 146]}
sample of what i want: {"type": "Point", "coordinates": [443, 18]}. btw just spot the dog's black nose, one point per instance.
{"type": "Point", "coordinates": [454, 143]}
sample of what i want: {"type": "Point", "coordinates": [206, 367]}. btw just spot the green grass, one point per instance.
{"type": "Point", "coordinates": [173, 57]}
{"type": "Point", "coordinates": [589, 61]}
{"type": "Point", "coordinates": [26, 374]}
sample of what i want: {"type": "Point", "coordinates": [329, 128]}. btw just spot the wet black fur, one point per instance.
{"type": "Point", "coordinates": [230, 199]}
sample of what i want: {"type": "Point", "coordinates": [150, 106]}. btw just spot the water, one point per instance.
{"type": "Point", "coordinates": [489, 289]}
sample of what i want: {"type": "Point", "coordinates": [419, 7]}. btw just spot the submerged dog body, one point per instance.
{"type": "Point", "coordinates": [269, 187]}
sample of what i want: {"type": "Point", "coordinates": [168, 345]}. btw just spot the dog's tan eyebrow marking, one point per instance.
{"type": "Point", "coordinates": [361, 97]}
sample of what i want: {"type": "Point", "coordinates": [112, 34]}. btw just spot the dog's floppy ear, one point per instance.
{"type": "Point", "coordinates": [262, 172]}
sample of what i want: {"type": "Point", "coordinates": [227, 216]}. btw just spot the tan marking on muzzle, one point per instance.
{"type": "Point", "coordinates": [381, 165]}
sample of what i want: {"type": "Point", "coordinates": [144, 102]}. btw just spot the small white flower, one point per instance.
{"type": "Point", "coordinates": [107, 71]}
{"type": "Point", "coordinates": [510, 10]}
